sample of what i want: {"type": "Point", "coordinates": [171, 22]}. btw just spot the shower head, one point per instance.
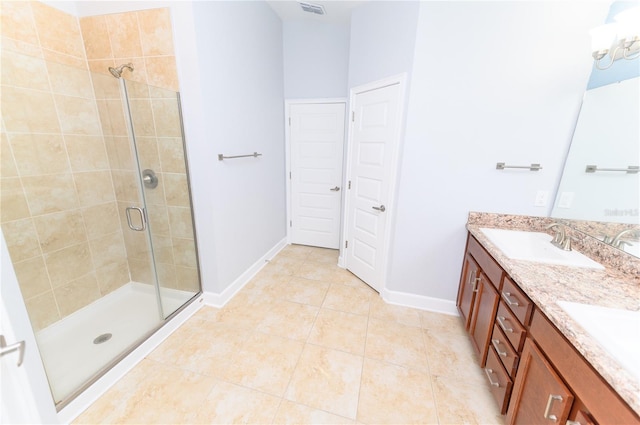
{"type": "Point", "coordinates": [117, 72]}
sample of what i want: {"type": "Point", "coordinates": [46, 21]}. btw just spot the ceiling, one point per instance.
{"type": "Point", "coordinates": [336, 11]}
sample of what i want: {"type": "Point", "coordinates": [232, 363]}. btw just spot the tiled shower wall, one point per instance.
{"type": "Point", "coordinates": [59, 213]}
{"type": "Point", "coordinates": [64, 163]}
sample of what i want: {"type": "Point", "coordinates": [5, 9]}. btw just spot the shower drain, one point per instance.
{"type": "Point", "coordinates": [102, 338]}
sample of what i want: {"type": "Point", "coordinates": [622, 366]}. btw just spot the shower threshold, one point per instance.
{"type": "Point", "coordinates": [70, 356]}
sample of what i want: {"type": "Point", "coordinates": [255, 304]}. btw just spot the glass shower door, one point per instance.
{"type": "Point", "coordinates": [159, 149]}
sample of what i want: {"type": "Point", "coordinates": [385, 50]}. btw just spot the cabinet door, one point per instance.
{"type": "Point", "coordinates": [468, 288]}
{"type": "Point", "coordinates": [484, 313]}
{"type": "Point", "coordinates": [539, 395]}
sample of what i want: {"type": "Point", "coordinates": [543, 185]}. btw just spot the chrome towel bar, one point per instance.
{"type": "Point", "coordinates": [631, 169]}
{"type": "Point", "coordinates": [221, 156]}
{"type": "Point", "coordinates": [532, 167]}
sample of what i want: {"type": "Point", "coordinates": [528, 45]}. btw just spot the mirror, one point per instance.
{"type": "Point", "coordinates": [605, 201]}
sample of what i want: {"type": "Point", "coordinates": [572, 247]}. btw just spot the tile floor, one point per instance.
{"type": "Point", "coordinates": [305, 342]}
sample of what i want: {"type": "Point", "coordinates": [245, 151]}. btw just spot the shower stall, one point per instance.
{"type": "Point", "coordinates": [96, 212]}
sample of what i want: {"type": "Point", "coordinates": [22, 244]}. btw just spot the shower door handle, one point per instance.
{"type": "Point", "coordinates": [6, 349]}
{"type": "Point", "coordinates": [143, 219]}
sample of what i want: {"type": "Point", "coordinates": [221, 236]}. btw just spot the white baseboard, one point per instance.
{"type": "Point", "coordinates": [341, 262]}
{"type": "Point", "coordinates": [97, 389]}
{"type": "Point", "coordinates": [405, 299]}
{"type": "Point", "coordinates": [219, 300]}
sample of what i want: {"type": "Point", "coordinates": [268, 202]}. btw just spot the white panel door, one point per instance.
{"type": "Point", "coordinates": [374, 141]}
{"type": "Point", "coordinates": [317, 140]}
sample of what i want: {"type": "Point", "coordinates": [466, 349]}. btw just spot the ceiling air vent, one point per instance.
{"type": "Point", "coordinates": [312, 8]}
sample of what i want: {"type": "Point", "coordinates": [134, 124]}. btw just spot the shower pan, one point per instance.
{"type": "Point", "coordinates": [109, 212]}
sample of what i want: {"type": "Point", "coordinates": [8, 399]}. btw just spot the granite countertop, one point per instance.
{"type": "Point", "coordinates": [547, 284]}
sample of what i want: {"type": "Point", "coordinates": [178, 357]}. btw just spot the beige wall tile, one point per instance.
{"type": "Point", "coordinates": [141, 271]}
{"type": "Point", "coordinates": [108, 249]}
{"type": "Point", "coordinates": [137, 90]}
{"type": "Point", "coordinates": [29, 111]}
{"type": "Point", "coordinates": [162, 249]}
{"type": "Point", "coordinates": [162, 72]}
{"type": "Point", "coordinates": [148, 153]}
{"type": "Point", "coordinates": [37, 154]}
{"type": "Point", "coordinates": [112, 276]}
{"type": "Point", "coordinates": [158, 220]}
{"type": "Point", "coordinates": [142, 117]}
{"type": "Point", "coordinates": [119, 152]}
{"type": "Point", "coordinates": [96, 37]}
{"type": "Point", "coordinates": [24, 71]}
{"type": "Point", "coordinates": [68, 264]}
{"type": "Point", "coordinates": [184, 252]}
{"type": "Point", "coordinates": [78, 115]}
{"type": "Point", "coordinates": [171, 151]}
{"type": "Point", "coordinates": [167, 117]}
{"type": "Point", "coordinates": [69, 80]}
{"type": "Point", "coordinates": [180, 222]}
{"type": "Point", "coordinates": [32, 277]}
{"type": "Point", "coordinates": [7, 163]}
{"type": "Point", "coordinates": [57, 30]}
{"type": "Point", "coordinates": [112, 118]}
{"type": "Point", "coordinates": [187, 279]}
{"type": "Point", "coordinates": [86, 153]}
{"type": "Point", "coordinates": [50, 193]}
{"type": "Point", "coordinates": [125, 185]}
{"type": "Point", "coordinates": [155, 32]}
{"type": "Point", "coordinates": [77, 294]}
{"type": "Point", "coordinates": [17, 21]}
{"type": "Point", "coordinates": [42, 310]}
{"type": "Point", "coordinates": [22, 47]}
{"type": "Point", "coordinates": [139, 73]}
{"type": "Point", "coordinates": [60, 230]}
{"type": "Point", "coordinates": [22, 239]}
{"type": "Point", "coordinates": [74, 61]}
{"type": "Point", "coordinates": [124, 35]}
{"type": "Point", "coordinates": [166, 275]}
{"type": "Point", "coordinates": [176, 189]}
{"type": "Point", "coordinates": [162, 93]}
{"type": "Point", "coordinates": [101, 219]}
{"type": "Point", "coordinates": [136, 244]}
{"type": "Point", "coordinates": [13, 201]}
{"type": "Point", "coordinates": [94, 187]}
{"type": "Point", "coordinates": [105, 86]}
{"type": "Point", "coordinates": [101, 66]}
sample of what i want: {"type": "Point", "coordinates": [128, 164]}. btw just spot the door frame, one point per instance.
{"type": "Point", "coordinates": [401, 80]}
{"type": "Point", "coordinates": [287, 142]}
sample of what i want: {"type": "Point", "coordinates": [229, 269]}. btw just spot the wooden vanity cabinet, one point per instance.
{"type": "Point", "coordinates": [554, 379]}
{"type": "Point", "coordinates": [478, 295]}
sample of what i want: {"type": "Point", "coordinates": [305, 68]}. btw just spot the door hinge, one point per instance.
{"type": "Point", "coordinates": [349, 186]}
{"type": "Point", "coordinates": [346, 244]}
{"type": "Point", "coordinates": [289, 121]}
{"type": "Point", "coordinates": [290, 223]}
{"type": "Point", "coordinates": [353, 116]}
{"type": "Point", "coordinates": [289, 175]}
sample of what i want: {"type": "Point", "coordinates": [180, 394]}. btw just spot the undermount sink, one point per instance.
{"type": "Point", "coordinates": [617, 331]}
{"type": "Point", "coordinates": [536, 246]}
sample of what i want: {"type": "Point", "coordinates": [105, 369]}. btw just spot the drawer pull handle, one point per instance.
{"type": "Point", "coordinates": [573, 423]}
{"type": "Point", "coordinates": [493, 383]}
{"type": "Point", "coordinates": [496, 345]}
{"type": "Point", "coordinates": [501, 320]}
{"type": "Point", "coordinates": [507, 297]}
{"type": "Point", "coordinates": [547, 410]}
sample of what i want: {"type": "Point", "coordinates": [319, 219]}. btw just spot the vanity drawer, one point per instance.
{"type": "Point", "coordinates": [499, 381]}
{"type": "Point", "coordinates": [507, 355]}
{"type": "Point", "coordinates": [511, 327]}
{"type": "Point", "coordinates": [516, 300]}
{"type": "Point", "coordinates": [486, 262]}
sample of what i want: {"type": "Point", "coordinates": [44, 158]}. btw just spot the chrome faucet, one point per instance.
{"type": "Point", "coordinates": [561, 239]}
{"type": "Point", "coordinates": [617, 241]}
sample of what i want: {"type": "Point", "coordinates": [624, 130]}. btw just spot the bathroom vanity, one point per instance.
{"type": "Point", "coordinates": [541, 365]}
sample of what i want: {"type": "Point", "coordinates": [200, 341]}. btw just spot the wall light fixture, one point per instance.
{"type": "Point", "coordinates": [619, 39]}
